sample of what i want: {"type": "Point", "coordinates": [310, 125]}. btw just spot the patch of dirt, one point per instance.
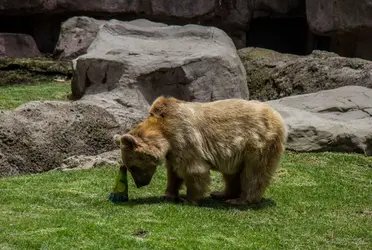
{"type": "Point", "coordinates": [141, 233]}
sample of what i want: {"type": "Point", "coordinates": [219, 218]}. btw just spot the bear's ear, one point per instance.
{"type": "Point", "coordinates": [162, 106]}
{"type": "Point", "coordinates": [129, 141]}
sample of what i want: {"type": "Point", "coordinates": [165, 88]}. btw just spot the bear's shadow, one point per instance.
{"type": "Point", "coordinates": [206, 202]}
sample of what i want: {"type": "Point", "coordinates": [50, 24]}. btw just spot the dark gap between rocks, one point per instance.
{"type": "Point", "coordinates": [285, 35]}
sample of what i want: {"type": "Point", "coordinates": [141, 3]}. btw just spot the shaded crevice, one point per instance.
{"type": "Point", "coordinates": [285, 35]}
{"type": "Point", "coordinates": [168, 82]}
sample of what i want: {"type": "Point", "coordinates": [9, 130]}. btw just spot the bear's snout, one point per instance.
{"type": "Point", "coordinates": [140, 177]}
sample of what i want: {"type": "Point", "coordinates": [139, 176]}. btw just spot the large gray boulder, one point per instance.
{"type": "Point", "coordinates": [18, 45]}
{"type": "Point", "coordinates": [338, 120]}
{"type": "Point", "coordinates": [38, 136]}
{"type": "Point", "coordinates": [272, 75]}
{"type": "Point", "coordinates": [130, 64]}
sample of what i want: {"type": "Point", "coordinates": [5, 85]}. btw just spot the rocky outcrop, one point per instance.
{"type": "Point", "coordinates": [18, 45]}
{"type": "Point", "coordinates": [234, 12]}
{"type": "Point", "coordinates": [129, 64]}
{"type": "Point", "coordinates": [272, 75]}
{"type": "Point", "coordinates": [338, 120]}
{"type": "Point", "coordinates": [38, 136]}
{"type": "Point", "coordinates": [345, 23]}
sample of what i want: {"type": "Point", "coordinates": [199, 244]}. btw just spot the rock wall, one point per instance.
{"type": "Point", "coordinates": [43, 18]}
{"type": "Point", "coordinates": [289, 26]}
{"type": "Point", "coordinates": [232, 16]}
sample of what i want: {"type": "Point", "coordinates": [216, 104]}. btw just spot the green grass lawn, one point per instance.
{"type": "Point", "coordinates": [314, 203]}
{"type": "Point", "coordinates": [12, 96]}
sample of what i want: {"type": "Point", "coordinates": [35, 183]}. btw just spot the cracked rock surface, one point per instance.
{"type": "Point", "coordinates": [338, 120]}
{"type": "Point", "coordinates": [129, 64]}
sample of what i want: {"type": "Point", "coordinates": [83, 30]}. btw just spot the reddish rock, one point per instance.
{"type": "Point", "coordinates": [17, 45]}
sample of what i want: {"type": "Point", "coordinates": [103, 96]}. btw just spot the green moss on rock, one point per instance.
{"type": "Point", "coordinates": [28, 70]}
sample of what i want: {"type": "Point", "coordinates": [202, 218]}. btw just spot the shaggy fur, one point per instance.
{"type": "Point", "coordinates": [243, 140]}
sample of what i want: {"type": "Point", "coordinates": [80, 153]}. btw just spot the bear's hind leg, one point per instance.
{"type": "Point", "coordinates": [256, 176]}
{"type": "Point", "coordinates": [174, 183]}
{"type": "Point", "coordinates": [197, 185]}
{"type": "Point", "coordinates": [232, 188]}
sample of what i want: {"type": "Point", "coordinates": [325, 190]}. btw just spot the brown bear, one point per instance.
{"type": "Point", "coordinates": [243, 140]}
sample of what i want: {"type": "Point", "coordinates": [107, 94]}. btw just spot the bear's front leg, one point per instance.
{"type": "Point", "coordinates": [174, 184]}
{"type": "Point", "coordinates": [197, 185]}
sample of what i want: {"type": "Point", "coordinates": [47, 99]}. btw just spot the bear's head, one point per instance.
{"type": "Point", "coordinates": [137, 158]}
{"type": "Point", "coordinates": [145, 147]}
